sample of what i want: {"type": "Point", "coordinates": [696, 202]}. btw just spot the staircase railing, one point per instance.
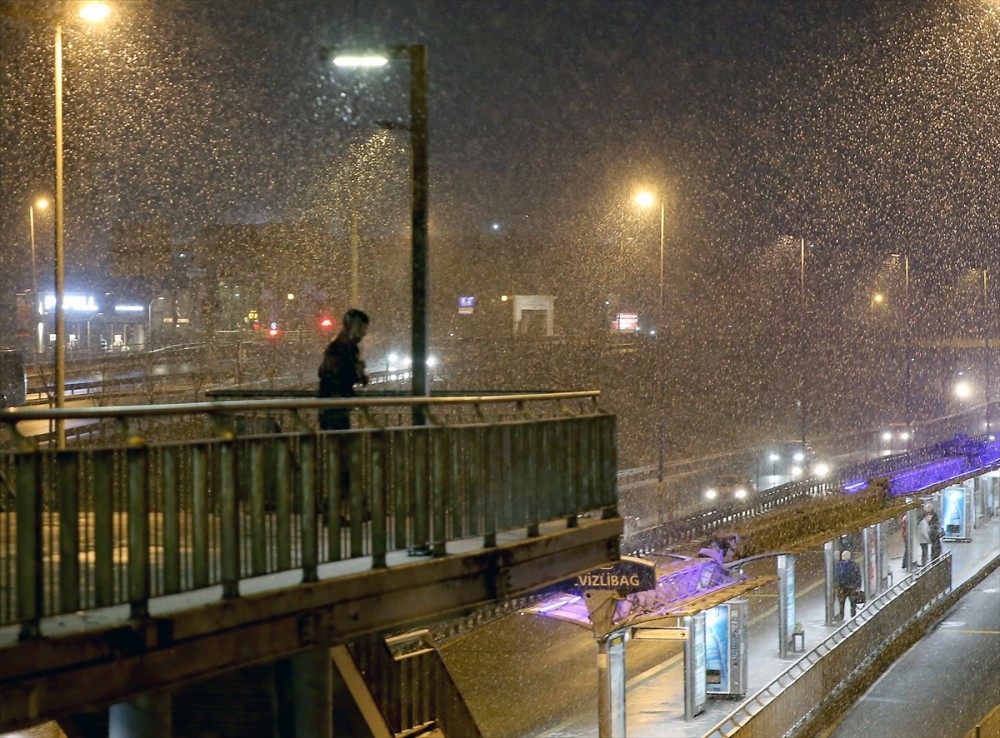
{"type": "Point", "coordinates": [412, 685]}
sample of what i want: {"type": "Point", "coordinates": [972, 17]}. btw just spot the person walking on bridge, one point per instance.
{"type": "Point", "coordinates": [342, 368]}
{"type": "Point", "coordinates": [847, 576]}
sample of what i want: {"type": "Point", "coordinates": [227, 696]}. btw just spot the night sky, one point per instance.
{"type": "Point", "coordinates": [864, 127]}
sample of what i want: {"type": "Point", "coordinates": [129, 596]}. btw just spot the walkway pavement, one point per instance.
{"type": "Point", "coordinates": [655, 699]}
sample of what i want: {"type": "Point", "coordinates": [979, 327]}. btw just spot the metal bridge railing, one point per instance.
{"type": "Point", "coordinates": [97, 526]}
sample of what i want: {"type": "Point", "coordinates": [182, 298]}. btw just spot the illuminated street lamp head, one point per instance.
{"type": "Point", "coordinates": [95, 12]}
{"type": "Point", "coordinates": [645, 199]}
{"type": "Point", "coordinates": [360, 60]}
{"type": "Point", "coordinates": [878, 298]}
{"type": "Point", "coordinates": [41, 203]}
{"type": "Point", "coordinates": [963, 390]}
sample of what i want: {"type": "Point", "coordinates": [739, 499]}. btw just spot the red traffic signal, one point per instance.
{"type": "Point", "coordinates": [326, 324]}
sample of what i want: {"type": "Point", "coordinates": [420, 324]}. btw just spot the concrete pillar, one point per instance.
{"type": "Point", "coordinates": [148, 716]}
{"type": "Point", "coordinates": [304, 687]}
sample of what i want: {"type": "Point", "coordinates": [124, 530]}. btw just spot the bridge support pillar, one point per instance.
{"type": "Point", "coordinates": [304, 687]}
{"type": "Point", "coordinates": [148, 716]}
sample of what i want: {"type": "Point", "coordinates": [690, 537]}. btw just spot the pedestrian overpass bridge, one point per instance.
{"type": "Point", "coordinates": [168, 545]}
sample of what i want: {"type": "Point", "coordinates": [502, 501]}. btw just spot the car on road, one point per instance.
{"type": "Point", "coordinates": [731, 487]}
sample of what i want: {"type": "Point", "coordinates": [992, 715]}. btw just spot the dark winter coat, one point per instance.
{"type": "Point", "coordinates": [848, 575]}
{"type": "Point", "coordinates": [341, 369]}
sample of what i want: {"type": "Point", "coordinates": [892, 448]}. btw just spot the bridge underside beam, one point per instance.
{"type": "Point", "coordinates": [55, 677]}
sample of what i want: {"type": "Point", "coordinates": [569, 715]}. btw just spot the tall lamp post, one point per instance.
{"type": "Point", "coordinates": [416, 55]}
{"type": "Point", "coordinates": [907, 369]}
{"type": "Point", "coordinates": [36, 304]}
{"type": "Point", "coordinates": [802, 338]}
{"type": "Point", "coordinates": [647, 199]}
{"type": "Point", "coordinates": [987, 324]}
{"type": "Point", "coordinates": [95, 11]}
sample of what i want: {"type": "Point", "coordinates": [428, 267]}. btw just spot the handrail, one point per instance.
{"type": "Point", "coordinates": [15, 415]}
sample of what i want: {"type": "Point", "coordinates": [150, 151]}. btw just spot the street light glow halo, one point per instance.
{"type": "Point", "coordinates": [645, 199]}
{"type": "Point", "coordinates": [95, 12]}
{"type": "Point", "coordinates": [360, 60]}
{"type": "Point", "coordinates": [41, 203]}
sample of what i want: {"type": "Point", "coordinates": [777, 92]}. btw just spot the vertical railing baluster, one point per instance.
{"type": "Point", "coordinates": [505, 500]}
{"type": "Point", "coordinates": [283, 495]}
{"type": "Point", "coordinates": [199, 516]}
{"type": "Point", "coordinates": [137, 476]}
{"type": "Point", "coordinates": [356, 493]}
{"type": "Point", "coordinates": [307, 495]}
{"type": "Point", "coordinates": [566, 460]}
{"type": "Point", "coordinates": [229, 533]}
{"type": "Point", "coordinates": [29, 574]}
{"type": "Point", "coordinates": [401, 510]}
{"type": "Point", "coordinates": [490, 448]}
{"type": "Point", "coordinates": [531, 445]}
{"type": "Point", "coordinates": [333, 493]}
{"type": "Point", "coordinates": [419, 499]}
{"type": "Point", "coordinates": [378, 499]}
{"type": "Point", "coordinates": [171, 521]}
{"type": "Point", "coordinates": [68, 497]}
{"type": "Point", "coordinates": [474, 478]}
{"type": "Point", "coordinates": [454, 486]}
{"type": "Point", "coordinates": [104, 531]}
{"type": "Point", "coordinates": [259, 543]}
{"type": "Point", "coordinates": [439, 533]}
{"type": "Point", "coordinates": [609, 449]}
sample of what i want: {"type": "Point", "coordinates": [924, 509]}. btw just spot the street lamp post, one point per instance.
{"type": "Point", "coordinates": [416, 54]}
{"type": "Point", "coordinates": [95, 11]}
{"type": "Point", "coordinates": [987, 324]}
{"type": "Point", "coordinates": [907, 338]}
{"type": "Point", "coordinates": [802, 338]}
{"type": "Point", "coordinates": [647, 199]}
{"type": "Point", "coordinates": [36, 307]}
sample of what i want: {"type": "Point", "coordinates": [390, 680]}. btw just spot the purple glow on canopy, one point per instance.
{"type": "Point", "coordinates": [679, 579]}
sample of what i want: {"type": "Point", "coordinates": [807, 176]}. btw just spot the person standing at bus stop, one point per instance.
{"type": "Point", "coordinates": [847, 577]}
{"type": "Point", "coordinates": [342, 369]}
{"type": "Point", "coordinates": [924, 536]}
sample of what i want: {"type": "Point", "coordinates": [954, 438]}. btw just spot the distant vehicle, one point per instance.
{"type": "Point", "coordinates": [786, 461]}
{"type": "Point", "coordinates": [13, 380]}
{"type": "Point", "coordinates": [731, 488]}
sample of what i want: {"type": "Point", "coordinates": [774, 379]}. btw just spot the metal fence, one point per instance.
{"type": "Point", "coordinates": [95, 526]}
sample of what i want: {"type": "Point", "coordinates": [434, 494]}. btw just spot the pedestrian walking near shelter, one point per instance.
{"type": "Point", "coordinates": [924, 537]}
{"type": "Point", "coordinates": [847, 576]}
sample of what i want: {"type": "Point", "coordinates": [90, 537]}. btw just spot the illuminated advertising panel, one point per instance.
{"type": "Point", "coordinates": [466, 304]}
{"type": "Point", "coordinates": [626, 322]}
{"type": "Point", "coordinates": [954, 519]}
{"type": "Point", "coordinates": [717, 648]}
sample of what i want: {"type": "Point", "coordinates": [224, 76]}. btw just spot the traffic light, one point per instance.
{"type": "Point", "coordinates": [272, 331]}
{"type": "Point", "coordinates": [326, 324]}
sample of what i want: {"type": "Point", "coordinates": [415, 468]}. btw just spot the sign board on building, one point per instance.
{"type": "Point", "coordinates": [626, 322]}
{"type": "Point", "coordinates": [628, 574]}
{"type": "Point", "coordinates": [466, 304]}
